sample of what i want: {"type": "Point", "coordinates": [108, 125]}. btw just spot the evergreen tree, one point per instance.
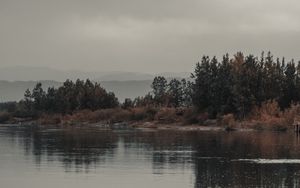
{"type": "Point", "coordinates": [28, 100]}
{"type": "Point", "coordinates": [38, 96]}
{"type": "Point", "coordinates": [175, 93]}
{"type": "Point", "coordinates": [159, 89]}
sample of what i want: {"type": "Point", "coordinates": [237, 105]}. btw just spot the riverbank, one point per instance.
{"type": "Point", "coordinates": [149, 126]}
{"type": "Point", "coordinates": [151, 119]}
{"type": "Point", "coordinates": [146, 126]}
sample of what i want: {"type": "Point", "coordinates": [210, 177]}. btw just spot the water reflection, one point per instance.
{"type": "Point", "coordinates": [75, 148]}
{"type": "Point", "coordinates": [226, 170]}
{"type": "Point", "coordinates": [194, 159]}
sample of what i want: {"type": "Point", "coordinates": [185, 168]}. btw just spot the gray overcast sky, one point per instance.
{"type": "Point", "coordinates": [143, 35]}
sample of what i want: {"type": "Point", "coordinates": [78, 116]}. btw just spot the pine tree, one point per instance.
{"type": "Point", "coordinates": [175, 93]}
{"type": "Point", "coordinates": [159, 89]}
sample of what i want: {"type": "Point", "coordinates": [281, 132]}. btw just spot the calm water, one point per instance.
{"type": "Point", "coordinates": [34, 158]}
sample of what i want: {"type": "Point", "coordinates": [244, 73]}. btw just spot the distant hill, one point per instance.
{"type": "Point", "coordinates": [123, 84]}
{"type": "Point", "coordinates": [128, 89]}
{"type": "Point", "coordinates": [39, 73]}
{"type": "Point", "coordinates": [14, 90]}
{"type": "Point", "coordinates": [26, 73]}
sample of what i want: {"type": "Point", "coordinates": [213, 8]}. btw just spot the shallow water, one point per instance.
{"type": "Point", "coordinates": [38, 157]}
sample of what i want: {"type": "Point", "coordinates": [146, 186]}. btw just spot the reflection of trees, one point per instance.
{"type": "Point", "coordinates": [210, 154]}
{"type": "Point", "coordinates": [213, 154]}
{"type": "Point", "coordinates": [76, 148]}
{"type": "Point", "coordinates": [213, 173]}
{"type": "Point", "coordinates": [168, 149]}
{"type": "Point", "coordinates": [223, 172]}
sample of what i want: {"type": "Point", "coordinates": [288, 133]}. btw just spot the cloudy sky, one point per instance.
{"type": "Point", "coordinates": [143, 35]}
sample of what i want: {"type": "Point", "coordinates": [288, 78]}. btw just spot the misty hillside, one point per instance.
{"type": "Point", "coordinates": [25, 73]}
{"type": "Point", "coordinates": [123, 84]}
{"type": "Point", "coordinates": [14, 91]}
{"type": "Point", "coordinates": [128, 89]}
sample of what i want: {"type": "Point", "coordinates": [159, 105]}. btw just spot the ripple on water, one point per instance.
{"type": "Point", "coordinates": [271, 161]}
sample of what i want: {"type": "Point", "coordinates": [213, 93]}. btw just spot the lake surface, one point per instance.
{"type": "Point", "coordinates": [33, 157]}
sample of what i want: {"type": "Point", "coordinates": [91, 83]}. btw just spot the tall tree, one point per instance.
{"type": "Point", "coordinates": [175, 93]}
{"type": "Point", "coordinates": [38, 95]}
{"type": "Point", "coordinates": [159, 89]}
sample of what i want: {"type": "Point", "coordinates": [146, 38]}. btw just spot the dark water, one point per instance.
{"type": "Point", "coordinates": [33, 158]}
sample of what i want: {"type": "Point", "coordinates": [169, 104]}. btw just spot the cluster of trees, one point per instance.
{"type": "Point", "coordinates": [229, 86]}
{"type": "Point", "coordinates": [237, 85]}
{"type": "Point", "coordinates": [173, 93]}
{"type": "Point", "coordinates": [71, 96]}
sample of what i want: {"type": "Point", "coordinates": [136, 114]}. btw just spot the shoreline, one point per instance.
{"type": "Point", "coordinates": [156, 118]}
{"type": "Point", "coordinates": [143, 125]}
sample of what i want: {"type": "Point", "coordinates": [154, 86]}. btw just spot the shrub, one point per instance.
{"type": "Point", "coordinates": [4, 116]}
{"type": "Point", "coordinates": [269, 116]}
{"type": "Point", "coordinates": [110, 115]}
{"type": "Point", "coordinates": [50, 119]}
{"type": "Point", "coordinates": [120, 115]}
{"type": "Point", "coordinates": [229, 122]}
{"type": "Point", "coordinates": [192, 116]}
{"type": "Point", "coordinates": [292, 114]}
{"type": "Point", "coordinates": [167, 115]}
{"type": "Point", "coordinates": [138, 114]}
{"type": "Point", "coordinates": [151, 112]}
{"type": "Point", "coordinates": [266, 110]}
{"type": "Point", "coordinates": [143, 113]}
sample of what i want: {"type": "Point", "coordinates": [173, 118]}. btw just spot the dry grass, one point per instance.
{"type": "Point", "coordinates": [113, 115]}
{"type": "Point", "coordinates": [269, 116]}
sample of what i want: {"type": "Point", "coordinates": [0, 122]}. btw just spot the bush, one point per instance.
{"type": "Point", "coordinates": [266, 110]}
{"type": "Point", "coordinates": [292, 114]}
{"type": "Point", "coordinates": [143, 113]}
{"type": "Point", "coordinates": [138, 114]}
{"type": "Point", "coordinates": [229, 122]}
{"type": "Point", "coordinates": [111, 115]}
{"type": "Point", "coordinates": [50, 119]}
{"type": "Point", "coordinates": [192, 116]}
{"type": "Point", "coordinates": [120, 116]}
{"type": "Point", "coordinates": [167, 115]}
{"type": "Point", "coordinates": [269, 116]}
{"type": "Point", "coordinates": [4, 116]}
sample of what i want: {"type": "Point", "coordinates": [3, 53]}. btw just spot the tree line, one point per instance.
{"type": "Point", "coordinates": [70, 97]}
{"type": "Point", "coordinates": [174, 93]}
{"type": "Point", "coordinates": [235, 85]}
{"type": "Point", "coordinates": [232, 85]}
